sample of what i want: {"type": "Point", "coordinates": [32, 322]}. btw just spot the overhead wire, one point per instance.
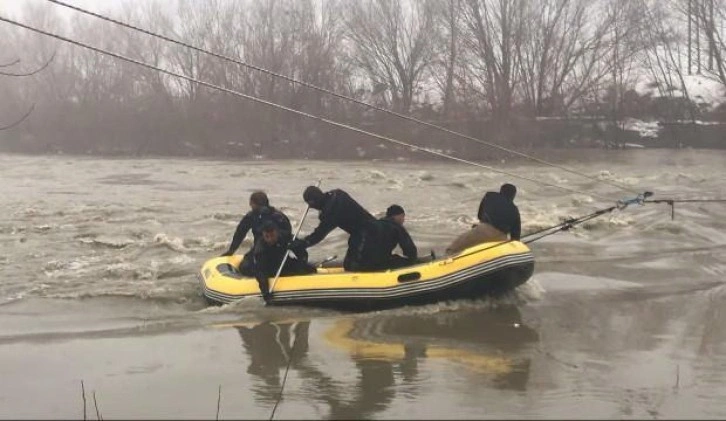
{"type": "Point", "coordinates": [301, 113]}
{"type": "Point", "coordinates": [345, 97]}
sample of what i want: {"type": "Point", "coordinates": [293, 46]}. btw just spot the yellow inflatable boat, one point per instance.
{"type": "Point", "coordinates": [489, 268]}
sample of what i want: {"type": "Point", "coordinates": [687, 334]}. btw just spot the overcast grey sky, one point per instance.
{"type": "Point", "coordinates": [14, 6]}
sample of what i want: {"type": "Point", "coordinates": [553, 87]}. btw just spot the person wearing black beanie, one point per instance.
{"type": "Point", "coordinates": [394, 210]}
{"type": "Point", "coordinates": [380, 240]}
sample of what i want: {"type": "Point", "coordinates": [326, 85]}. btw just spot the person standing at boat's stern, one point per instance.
{"type": "Point", "coordinates": [499, 220]}
{"type": "Point", "coordinates": [337, 210]}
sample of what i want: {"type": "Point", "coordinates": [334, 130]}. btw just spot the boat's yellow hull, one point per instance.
{"type": "Point", "coordinates": [484, 269]}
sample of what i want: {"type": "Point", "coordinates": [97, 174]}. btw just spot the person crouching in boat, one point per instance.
{"type": "Point", "coordinates": [382, 237]}
{"type": "Point", "coordinates": [260, 212]}
{"type": "Point", "coordinates": [267, 255]}
{"type": "Point", "coordinates": [337, 210]}
{"type": "Point", "coordinates": [498, 221]}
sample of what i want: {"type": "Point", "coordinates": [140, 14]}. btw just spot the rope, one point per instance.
{"type": "Point", "coordinates": [672, 203]}
{"type": "Point", "coordinates": [572, 222]}
{"type": "Point", "coordinates": [567, 224]}
{"type": "Point", "coordinates": [686, 201]}
{"type": "Point", "coordinates": [301, 113]}
{"type": "Point", "coordinates": [345, 97]}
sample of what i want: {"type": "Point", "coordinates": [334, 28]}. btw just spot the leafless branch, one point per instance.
{"type": "Point", "coordinates": [40, 69]}
{"type": "Point", "coordinates": [26, 115]}
{"type": "Point", "coordinates": [12, 63]}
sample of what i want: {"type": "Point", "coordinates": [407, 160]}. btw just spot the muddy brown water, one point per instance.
{"type": "Point", "coordinates": [623, 317]}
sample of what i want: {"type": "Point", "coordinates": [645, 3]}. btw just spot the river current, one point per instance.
{"type": "Point", "coordinates": [623, 317]}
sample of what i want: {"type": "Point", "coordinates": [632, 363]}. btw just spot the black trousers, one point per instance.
{"type": "Point", "coordinates": [396, 262]}
{"type": "Point", "coordinates": [393, 261]}
{"type": "Point", "coordinates": [351, 262]}
{"type": "Point", "coordinates": [247, 266]}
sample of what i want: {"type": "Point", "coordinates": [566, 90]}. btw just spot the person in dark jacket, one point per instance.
{"type": "Point", "coordinates": [499, 221]}
{"type": "Point", "coordinates": [380, 240]}
{"type": "Point", "coordinates": [260, 212]}
{"type": "Point", "coordinates": [337, 210]}
{"type": "Point", "coordinates": [499, 211]}
{"type": "Point", "coordinates": [267, 256]}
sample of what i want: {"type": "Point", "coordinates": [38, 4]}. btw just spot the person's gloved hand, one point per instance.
{"type": "Point", "coordinates": [298, 245]}
{"type": "Point", "coordinates": [301, 254]}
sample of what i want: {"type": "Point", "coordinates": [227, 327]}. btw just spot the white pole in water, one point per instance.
{"type": "Point", "coordinates": [287, 252]}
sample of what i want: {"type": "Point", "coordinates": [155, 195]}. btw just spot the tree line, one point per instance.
{"type": "Point", "coordinates": [516, 72]}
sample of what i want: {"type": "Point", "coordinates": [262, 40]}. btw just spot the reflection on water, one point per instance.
{"type": "Point", "coordinates": [269, 346]}
{"type": "Point", "coordinates": [386, 351]}
{"type": "Point", "coordinates": [633, 353]}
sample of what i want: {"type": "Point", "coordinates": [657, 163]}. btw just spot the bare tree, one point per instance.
{"type": "Point", "coordinates": [490, 61]}
{"type": "Point", "coordinates": [393, 44]}
{"type": "Point", "coordinates": [447, 63]}
{"type": "Point", "coordinates": [153, 16]}
{"type": "Point", "coordinates": [21, 75]}
{"type": "Point", "coordinates": [662, 53]}
{"type": "Point", "coordinates": [195, 23]}
{"type": "Point", "coordinates": [565, 53]}
{"type": "Point", "coordinates": [711, 14]}
{"type": "Point", "coordinates": [495, 31]}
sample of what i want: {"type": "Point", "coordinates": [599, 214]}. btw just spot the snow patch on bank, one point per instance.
{"type": "Point", "coordinates": [701, 89]}
{"type": "Point", "coordinates": [643, 128]}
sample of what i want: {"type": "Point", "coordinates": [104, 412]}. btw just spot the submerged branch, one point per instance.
{"type": "Point", "coordinates": [95, 403]}
{"type": "Point", "coordinates": [83, 394]}
{"type": "Point", "coordinates": [219, 400]}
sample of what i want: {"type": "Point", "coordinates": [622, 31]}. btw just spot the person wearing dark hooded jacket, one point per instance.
{"type": "Point", "coordinates": [499, 220]}
{"type": "Point", "coordinates": [499, 211]}
{"type": "Point", "coordinates": [268, 254]}
{"type": "Point", "coordinates": [260, 212]}
{"type": "Point", "coordinates": [380, 240]}
{"type": "Point", "coordinates": [337, 210]}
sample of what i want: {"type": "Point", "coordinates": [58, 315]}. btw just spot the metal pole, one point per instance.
{"type": "Point", "coordinates": [287, 252]}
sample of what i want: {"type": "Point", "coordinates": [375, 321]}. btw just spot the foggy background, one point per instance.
{"type": "Point", "coordinates": [545, 73]}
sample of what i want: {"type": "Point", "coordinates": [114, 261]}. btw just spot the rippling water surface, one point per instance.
{"type": "Point", "coordinates": [622, 319]}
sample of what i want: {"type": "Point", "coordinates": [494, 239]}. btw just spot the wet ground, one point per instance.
{"type": "Point", "coordinates": [622, 319]}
